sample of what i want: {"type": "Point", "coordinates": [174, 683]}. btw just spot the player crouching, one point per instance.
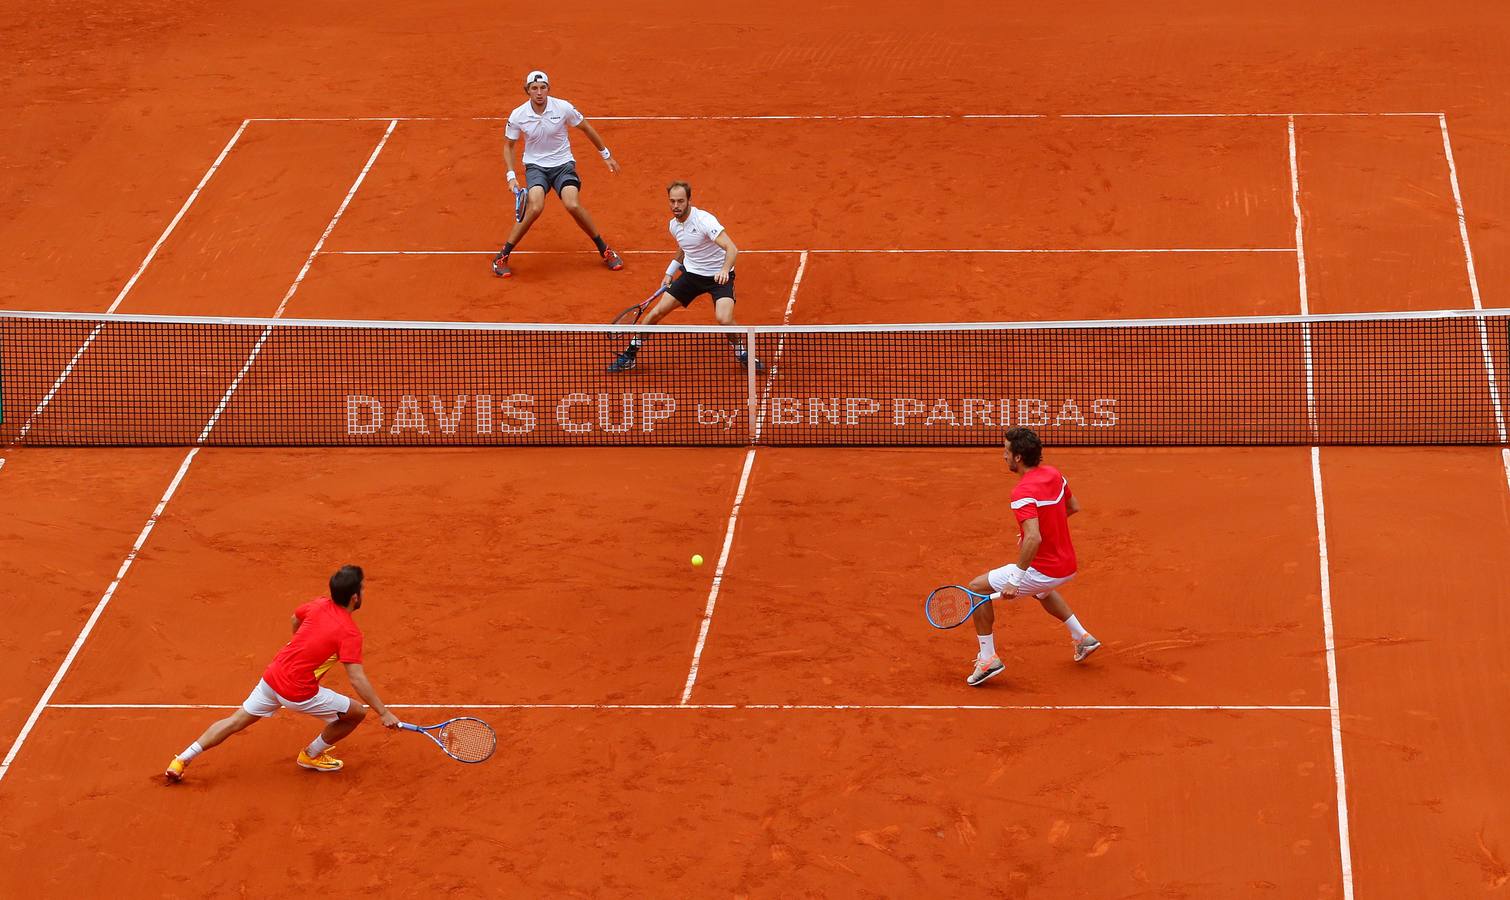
{"type": "Point", "coordinates": [324, 633]}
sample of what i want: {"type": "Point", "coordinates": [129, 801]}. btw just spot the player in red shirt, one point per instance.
{"type": "Point", "coordinates": [324, 634]}
{"type": "Point", "coordinates": [1043, 504]}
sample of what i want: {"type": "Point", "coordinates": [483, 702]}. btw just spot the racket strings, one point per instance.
{"type": "Point", "coordinates": [948, 606]}
{"type": "Point", "coordinates": [468, 739]}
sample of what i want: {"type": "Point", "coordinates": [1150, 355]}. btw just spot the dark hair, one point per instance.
{"type": "Point", "coordinates": [1025, 443]}
{"type": "Point", "coordinates": [345, 584]}
{"type": "Point", "coordinates": [679, 184]}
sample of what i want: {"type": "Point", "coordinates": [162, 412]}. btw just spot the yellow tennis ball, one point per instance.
{"type": "Point", "coordinates": [697, 559]}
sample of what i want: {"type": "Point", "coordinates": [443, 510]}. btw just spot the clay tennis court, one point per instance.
{"type": "Point", "coordinates": [1300, 692]}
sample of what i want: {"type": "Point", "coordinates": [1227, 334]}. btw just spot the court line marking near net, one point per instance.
{"type": "Point", "coordinates": [851, 117]}
{"type": "Point", "coordinates": [871, 250]}
{"type": "Point", "coordinates": [836, 707]}
{"type": "Point", "coordinates": [183, 469]}
{"type": "Point", "coordinates": [739, 496]}
{"type": "Point", "coordinates": [1473, 287]}
{"type": "Point", "coordinates": [718, 574]}
{"type": "Point", "coordinates": [786, 319]}
{"type": "Point", "coordinates": [1345, 850]}
{"type": "Point", "coordinates": [131, 282]}
{"type": "Point", "coordinates": [94, 617]}
{"type": "Point", "coordinates": [298, 280]}
{"type": "Point", "coordinates": [1300, 265]}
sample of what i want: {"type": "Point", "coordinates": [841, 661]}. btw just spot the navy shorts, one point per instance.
{"type": "Point", "coordinates": [689, 287]}
{"type": "Point", "coordinates": [552, 178]}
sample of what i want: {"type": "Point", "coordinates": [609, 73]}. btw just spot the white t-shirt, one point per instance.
{"type": "Point", "coordinates": [697, 237]}
{"type": "Point", "coordinates": [546, 142]}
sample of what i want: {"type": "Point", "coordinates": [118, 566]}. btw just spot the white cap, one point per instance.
{"type": "Point", "coordinates": [535, 76]}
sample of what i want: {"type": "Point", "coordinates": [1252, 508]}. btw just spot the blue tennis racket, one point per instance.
{"type": "Point", "coordinates": [951, 606]}
{"type": "Point", "coordinates": [519, 197]}
{"type": "Point", "coordinates": [464, 739]}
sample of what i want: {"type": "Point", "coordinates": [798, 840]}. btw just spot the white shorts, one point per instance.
{"type": "Point", "coordinates": [326, 705]}
{"type": "Point", "coordinates": [1030, 582]}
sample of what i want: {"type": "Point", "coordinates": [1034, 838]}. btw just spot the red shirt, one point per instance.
{"type": "Point", "coordinates": [325, 630]}
{"type": "Point", "coordinates": [1043, 494]}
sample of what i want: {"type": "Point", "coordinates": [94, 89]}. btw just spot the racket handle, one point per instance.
{"type": "Point", "coordinates": [407, 727]}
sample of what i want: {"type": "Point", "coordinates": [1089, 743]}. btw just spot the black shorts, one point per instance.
{"type": "Point", "coordinates": [551, 178]}
{"type": "Point", "coordinates": [689, 287]}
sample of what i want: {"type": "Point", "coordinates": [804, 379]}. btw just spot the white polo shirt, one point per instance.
{"type": "Point", "coordinates": [546, 142]}
{"type": "Point", "coordinates": [697, 237]}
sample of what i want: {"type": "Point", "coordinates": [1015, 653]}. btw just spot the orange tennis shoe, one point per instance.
{"type": "Point", "coordinates": [322, 763]}
{"type": "Point", "coordinates": [175, 772]}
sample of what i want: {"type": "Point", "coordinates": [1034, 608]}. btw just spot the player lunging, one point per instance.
{"type": "Point", "coordinates": [324, 633]}
{"type": "Point", "coordinates": [1043, 504]}
{"type": "Point", "coordinates": [707, 254]}
{"type": "Point", "coordinates": [549, 166]}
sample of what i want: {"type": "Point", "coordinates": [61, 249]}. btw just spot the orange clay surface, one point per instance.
{"type": "Point", "coordinates": [553, 586]}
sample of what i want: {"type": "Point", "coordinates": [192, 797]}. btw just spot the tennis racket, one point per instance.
{"type": "Point", "coordinates": [464, 738]}
{"type": "Point", "coordinates": [519, 197]}
{"type": "Point", "coordinates": [631, 316]}
{"type": "Point", "coordinates": [951, 606]}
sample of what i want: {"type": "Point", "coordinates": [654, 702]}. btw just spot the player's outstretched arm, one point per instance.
{"type": "Point", "coordinates": [358, 678]}
{"type": "Point", "coordinates": [592, 135]}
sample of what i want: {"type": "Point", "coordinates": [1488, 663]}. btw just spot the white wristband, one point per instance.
{"type": "Point", "coordinates": [672, 269]}
{"type": "Point", "coordinates": [604, 153]}
{"type": "Point", "coordinates": [512, 177]}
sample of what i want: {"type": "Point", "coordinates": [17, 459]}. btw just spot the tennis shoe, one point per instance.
{"type": "Point", "coordinates": [984, 669]}
{"type": "Point", "coordinates": [1085, 647]}
{"type": "Point", "coordinates": [501, 265]}
{"type": "Point", "coordinates": [612, 260]}
{"type": "Point", "coordinates": [744, 357]}
{"type": "Point", "coordinates": [624, 363]}
{"type": "Point", "coordinates": [322, 763]}
{"type": "Point", "coordinates": [175, 772]}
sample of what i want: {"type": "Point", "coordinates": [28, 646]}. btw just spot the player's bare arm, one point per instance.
{"type": "Point", "coordinates": [358, 678]}
{"type": "Point", "coordinates": [509, 147]}
{"type": "Point", "coordinates": [730, 251]}
{"type": "Point", "coordinates": [592, 135]}
{"type": "Point", "coordinates": [675, 267]}
{"type": "Point", "coordinates": [1072, 507]}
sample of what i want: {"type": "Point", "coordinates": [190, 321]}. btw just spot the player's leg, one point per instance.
{"type": "Point", "coordinates": [679, 294]}
{"type": "Point", "coordinates": [260, 704]}
{"type": "Point", "coordinates": [987, 663]}
{"type": "Point", "coordinates": [723, 311]}
{"type": "Point", "coordinates": [534, 205]}
{"type": "Point", "coordinates": [341, 715]}
{"type": "Point", "coordinates": [569, 187]}
{"type": "Point", "coordinates": [1085, 644]}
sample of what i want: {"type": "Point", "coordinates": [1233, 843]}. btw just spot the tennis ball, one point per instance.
{"type": "Point", "coordinates": [697, 559]}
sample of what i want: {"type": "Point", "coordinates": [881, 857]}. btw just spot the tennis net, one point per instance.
{"type": "Point", "coordinates": [1411, 378]}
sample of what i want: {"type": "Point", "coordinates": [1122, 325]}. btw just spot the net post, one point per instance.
{"type": "Point", "coordinates": [752, 399]}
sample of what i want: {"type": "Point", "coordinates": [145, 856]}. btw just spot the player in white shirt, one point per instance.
{"type": "Point", "coordinates": [548, 165]}
{"type": "Point", "coordinates": [705, 261]}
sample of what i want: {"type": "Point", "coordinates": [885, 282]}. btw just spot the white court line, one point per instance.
{"type": "Point", "coordinates": [739, 496]}
{"type": "Point", "coordinates": [298, 280]}
{"type": "Point", "coordinates": [862, 117]}
{"type": "Point", "coordinates": [1473, 286]}
{"type": "Point", "coordinates": [718, 574]}
{"type": "Point", "coordinates": [183, 468]}
{"type": "Point", "coordinates": [786, 319]}
{"type": "Point", "coordinates": [1345, 850]}
{"type": "Point", "coordinates": [94, 617]}
{"type": "Point", "coordinates": [872, 250]}
{"type": "Point", "coordinates": [131, 282]}
{"type": "Point", "coordinates": [1300, 265]}
{"type": "Point", "coordinates": [835, 707]}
